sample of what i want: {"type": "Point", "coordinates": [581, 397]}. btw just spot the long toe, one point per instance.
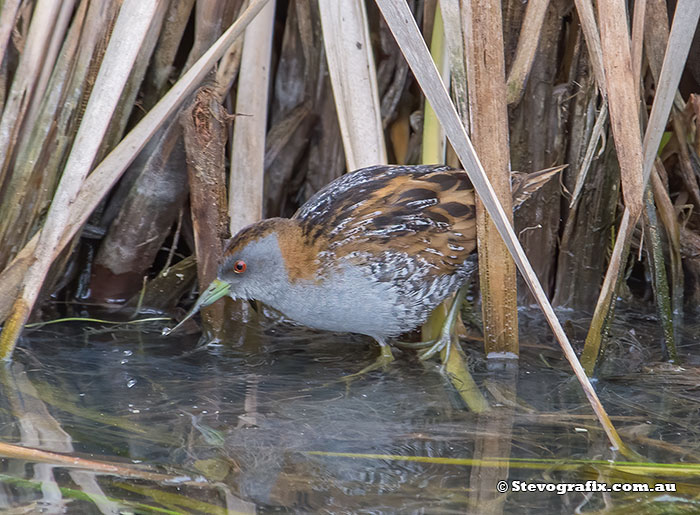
{"type": "Point", "coordinates": [443, 342]}
{"type": "Point", "coordinates": [415, 345]}
{"type": "Point", "coordinates": [381, 362]}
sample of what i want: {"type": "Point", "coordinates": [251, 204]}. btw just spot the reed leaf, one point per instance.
{"type": "Point", "coordinates": [640, 7]}
{"type": "Point", "coordinates": [641, 468]}
{"type": "Point", "coordinates": [590, 31]}
{"type": "Point", "coordinates": [596, 134]}
{"type": "Point", "coordinates": [208, 18]}
{"type": "Point", "coordinates": [25, 79]}
{"type": "Point", "coordinates": [54, 45]}
{"type": "Point", "coordinates": [434, 143]}
{"type": "Point", "coordinates": [354, 81]}
{"type": "Point", "coordinates": [454, 43]}
{"type": "Point", "coordinates": [8, 16]}
{"type": "Point", "coordinates": [165, 51]}
{"type": "Point", "coordinates": [245, 203]}
{"type": "Point", "coordinates": [667, 214]}
{"type": "Point", "coordinates": [525, 51]}
{"type": "Point", "coordinates": [657, 266]}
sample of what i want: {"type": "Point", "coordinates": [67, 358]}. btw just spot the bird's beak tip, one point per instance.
{"type": "Point", "coordinates": [214, 292]}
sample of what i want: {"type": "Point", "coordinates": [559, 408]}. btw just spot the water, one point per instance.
{"type": "Point", "coordinates": [274, 430]}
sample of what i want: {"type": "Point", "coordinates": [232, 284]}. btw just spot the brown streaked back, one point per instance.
{"type": "Point", "coordinates": [424, 211]}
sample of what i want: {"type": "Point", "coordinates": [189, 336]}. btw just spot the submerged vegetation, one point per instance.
{"type": "Point", "coordinates": [136, 136]}
{"type": "Point", "coordinates": [171, 202]}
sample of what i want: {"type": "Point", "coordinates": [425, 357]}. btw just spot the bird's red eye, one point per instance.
{"type": "Point", "coordinates": [239, 266]}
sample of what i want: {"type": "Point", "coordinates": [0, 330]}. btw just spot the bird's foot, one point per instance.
{"type": "Point", "coordinates": [382, 361]}
{"type": "Point", "coordinates": [436, 346]}
{"type": "Point", "coordinates": [444, 341]}
{"type": "Point", "coordinates": [431, 347]}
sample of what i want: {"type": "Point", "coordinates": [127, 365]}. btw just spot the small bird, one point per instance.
{"type": "Point", "coordinates": [374, 252]}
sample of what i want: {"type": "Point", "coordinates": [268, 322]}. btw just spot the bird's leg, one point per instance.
{"type": "Point", "coordinates": [382, 361]}
{"type": "Point", "coordinates": [445, 339]}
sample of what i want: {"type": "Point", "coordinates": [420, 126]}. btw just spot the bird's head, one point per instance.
{"type": "Point", "coordinates": [257, 264]}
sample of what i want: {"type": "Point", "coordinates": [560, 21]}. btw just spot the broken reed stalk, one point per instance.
{"type": "Point", "coordinates": [402, 24]}
{"type": "Point", "coordinates": [205, 132]}
{"type": "Point", "coordinates": [684, 22]}
{"type": "Point", "coordinates": [245, 203]}
{"type": "Point", "coordinates": [106, 174]}
{"type": "Point", "coordinates": [130, 30]}
{"type": "Point", "coordinates": [483, 32]}
{"type": "Point", "coordinates": [354, 81]}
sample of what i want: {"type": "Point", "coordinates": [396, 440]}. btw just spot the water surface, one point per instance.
{"type": "Point", "coordinates": [269, 427]}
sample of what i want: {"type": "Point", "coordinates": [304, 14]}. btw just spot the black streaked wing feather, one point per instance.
{"type": "Point", "coordinates": [425, 211]}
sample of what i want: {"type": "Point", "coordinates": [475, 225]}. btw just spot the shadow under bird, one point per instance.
{"type": "Point", "coordinates": [374, 253]}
